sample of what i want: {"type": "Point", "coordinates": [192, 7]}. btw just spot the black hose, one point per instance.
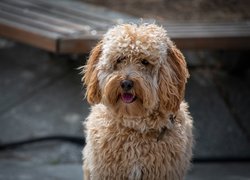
{"type": "Point", "coordinates": [72, 139]}
{"type": "Point", "coordinates": [81, 142]}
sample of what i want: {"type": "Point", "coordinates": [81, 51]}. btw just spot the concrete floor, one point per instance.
{"type": "Point", "coordinates": [41, 95]}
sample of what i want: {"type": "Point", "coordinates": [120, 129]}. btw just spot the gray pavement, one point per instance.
{"type": "Point", "coordinates": [217, 133]}
{"type": "Point", "coordinates": [214, 171]}
{"type": "Point", "coordinates": [41, 95]}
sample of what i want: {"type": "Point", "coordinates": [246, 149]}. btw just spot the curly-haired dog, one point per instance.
{"type": "Point", "coordinates": [139, 127]}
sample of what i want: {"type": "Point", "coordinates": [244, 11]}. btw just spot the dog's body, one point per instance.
{"type": "Point", "coordinates": [139, 127]}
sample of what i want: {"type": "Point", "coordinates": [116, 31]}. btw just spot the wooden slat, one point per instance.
{"type": "Point", "coordinates": [102, 12]}
{"type": "Point", "coordinates": [35, 23]}
{"type": "Point", "coordinates": [59, 13]}
{"type": "Point", "coordinates": [234, 35]}
{"type": "Point", "coordinates": [73, 10]}
{"type": "Point", "coordinates": [226, 43]}
{"type": "Point", "coordinates": [32, 36]}
{"type": "Point", "coordinates": [77, 45]}
{"type": "Point", "coordinates": [209, 29]}
{"type": "Point", "coordinates": [32, 14]}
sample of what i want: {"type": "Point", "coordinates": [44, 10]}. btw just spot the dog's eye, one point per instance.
{"type": "Point", "coordinates": [145, 62]}
{"type": "Point", "coordinates": [120, 59]}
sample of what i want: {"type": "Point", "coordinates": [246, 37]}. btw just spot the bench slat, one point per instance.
{"type": "Point", "coordinates": [102, 12]}
{"type": "Point", "coordinates": [239, 28]}
{"type": "Point", "coordinates": [35, 23]}
{"type": "Point", "coordinates": [78, 45]}
{"type": "Point", "coordinates": [191, 28]}
{"type": "Point", "coordinates": [30, 13]}
{"type": "Point", "coordinates": [59, 13]}
{"type": "Point", "coordinates": [229, 43]}
{"type": "Point", "coordinates": [30, 35]}
{"type": "Point", "coordinates": [73, 11]}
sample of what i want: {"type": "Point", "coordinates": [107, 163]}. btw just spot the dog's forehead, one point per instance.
{"type": "Point", "coordinates": [133, 40]}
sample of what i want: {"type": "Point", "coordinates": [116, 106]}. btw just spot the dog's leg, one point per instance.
{"type": "Point", "coordinates": [86, 173]}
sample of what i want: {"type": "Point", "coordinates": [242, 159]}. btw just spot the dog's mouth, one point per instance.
{"type": "Point", "coordinates": [128, 97]}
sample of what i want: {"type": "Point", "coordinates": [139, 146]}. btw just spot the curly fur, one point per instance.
{"type": "Point", "coordinates": [122, 138]}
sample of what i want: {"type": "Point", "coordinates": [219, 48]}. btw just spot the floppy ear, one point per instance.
{"type": "Point", "coordinates": [173, 76]}
{"type": "Point", "coordinates": [90, 78]}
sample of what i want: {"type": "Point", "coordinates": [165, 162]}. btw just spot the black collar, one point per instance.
{"type": "Point", "coordinates": [170, 124]}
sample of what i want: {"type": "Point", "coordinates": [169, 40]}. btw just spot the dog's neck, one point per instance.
{"type": "Point", "coordinates": [155, 121]}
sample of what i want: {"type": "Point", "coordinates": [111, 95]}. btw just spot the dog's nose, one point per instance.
{"type": "Point", "coordinates": [127, 85]}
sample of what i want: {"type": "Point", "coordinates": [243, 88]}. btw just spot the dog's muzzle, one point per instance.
{"type": "Point", "coordinates": [126, 96]}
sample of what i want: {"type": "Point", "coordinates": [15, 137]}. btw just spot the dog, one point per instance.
{"type": "Point", "coordinates": [139, 126]}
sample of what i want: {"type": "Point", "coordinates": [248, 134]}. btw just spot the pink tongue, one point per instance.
{"type": "Point", "coordinates": [127, 97]}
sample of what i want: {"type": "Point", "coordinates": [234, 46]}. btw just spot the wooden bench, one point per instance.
{"type": "Point", "coordinates": [230, 35]}
{"type": "Point", "coordinates": [65, 27]}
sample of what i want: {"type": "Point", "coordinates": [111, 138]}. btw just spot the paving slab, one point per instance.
{"type": "Point", "coordinates": [56, 109]}
{"type": "Point", "coordinates": [220, 171]}
{"type": "Point", "coordinates": [235, 90]}
{"type": "Point", "coordinates": [211, 171]}
{"type": "Point", "coordinates": [41, 172]}
{"type": "Point", "coordinates": [44, 153]}
{"type": "Point", "coordinates": [216, 132]}
{"type": "Point", "coordinates": [24, 71]}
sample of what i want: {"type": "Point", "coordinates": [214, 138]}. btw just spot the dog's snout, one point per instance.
{"type": "Point", "coordinates": [127, 85]}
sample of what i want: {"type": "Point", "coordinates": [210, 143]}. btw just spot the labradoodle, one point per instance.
{"type": "Point", "coordinates": [139, 126]}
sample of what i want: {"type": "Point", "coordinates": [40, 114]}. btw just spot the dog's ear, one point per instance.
{"type": "Point", "coordinates": [90, 78]}
{"type": "Point", "coordinates": [173, 76]}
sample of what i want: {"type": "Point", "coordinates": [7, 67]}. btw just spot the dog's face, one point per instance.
{"type": "Point", "coordinates": [134, 70]}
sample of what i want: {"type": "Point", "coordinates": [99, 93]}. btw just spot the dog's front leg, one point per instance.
{"type": "Point", "coordinates": [86, 173]}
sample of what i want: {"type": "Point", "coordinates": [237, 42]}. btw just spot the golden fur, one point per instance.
{"type": "Point", "coordinates": [136, 138]}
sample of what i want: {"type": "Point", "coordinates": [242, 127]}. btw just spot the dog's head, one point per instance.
{"type": "Point", "coordinates": [136, 69]}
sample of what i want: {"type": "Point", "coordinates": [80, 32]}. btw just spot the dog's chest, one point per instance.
{"type": "Point", "coordinates": [136, 156]}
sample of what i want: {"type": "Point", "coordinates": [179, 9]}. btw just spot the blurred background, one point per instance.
{"type": "Point", "coordinates": [42, 105]}
{"type": "Point", "coordinates": [180, 10]}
